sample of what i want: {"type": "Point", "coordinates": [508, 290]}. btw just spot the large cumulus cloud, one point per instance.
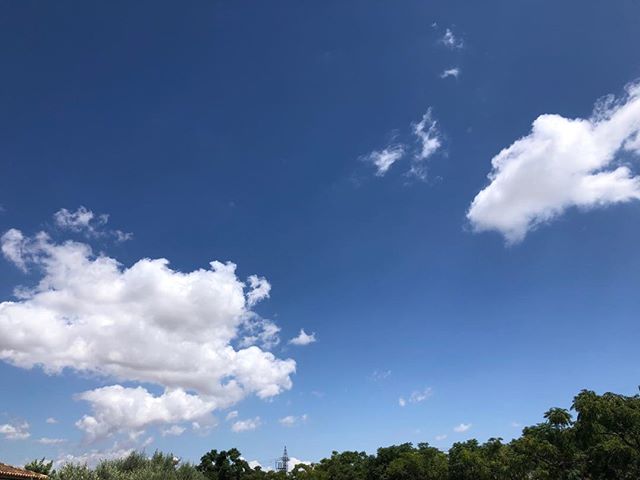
{"type": "Point", "coordinates": [562, 163]}
{"type": "Point", "coordinates": [192, 334]}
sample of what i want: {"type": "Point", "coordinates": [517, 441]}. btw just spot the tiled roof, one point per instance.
{"type": "Point", "coordinates": [7, 471]}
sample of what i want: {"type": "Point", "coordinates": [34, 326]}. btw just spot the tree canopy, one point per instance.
{"type": "Point", "coordinates": [598, 439]}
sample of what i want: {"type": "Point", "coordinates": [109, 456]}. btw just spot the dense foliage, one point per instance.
{"type": "Point", "coordinates": [136, 466]}
{"type": "Point", "coordinates": [40, 466]}
{"type": "Point", "coordinates": [601, 443]}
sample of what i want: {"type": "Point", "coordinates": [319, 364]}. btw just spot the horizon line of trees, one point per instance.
{"type": "Point", "coordinates": [602, 442]}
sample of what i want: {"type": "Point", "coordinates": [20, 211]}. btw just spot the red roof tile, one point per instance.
{"type": "Point", "coordinates": [7, 471]}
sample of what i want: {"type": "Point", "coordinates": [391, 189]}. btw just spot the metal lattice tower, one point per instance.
{"type": "Point", "coordinates": [282, 465]}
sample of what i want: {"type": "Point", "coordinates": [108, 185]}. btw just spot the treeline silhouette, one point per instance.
{"type": "Point", "coordinates": [598, 439]}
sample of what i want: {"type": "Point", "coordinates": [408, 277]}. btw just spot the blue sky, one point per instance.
{"type": "Point", "coordinates": [249, 132]}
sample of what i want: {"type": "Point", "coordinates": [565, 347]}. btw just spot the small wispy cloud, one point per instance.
{"type": "Point", "coordinates": [50, 441]}
{"type": "Point", "coordinates": [450, 72]}
{"type": "Point", "coordinates": [88, 223]}
{"type": "Point", "coordinates": [450, 40]}
{"type": "Point", "coordinates": [463, 427]}
{"type": "Point", "coordinates": [420, 396]}
{"type": "Point", "coordinates": [51, 420]}
{"type": "Point", "coordinates": [380, 375]}
{"type": "Point", "coordinates": [292, 420]}
{"type": "Point", "coordinates": [15, 431]}
{"type": "Point", "coordinates": [246, 425]}
{"type": "Point", "coordinates": [303, 338]}
{"type": "Point", "coordinates": [439, 438]}
{"type": "Point", "coordinates": [174, 430]}
{"type": "Point", "coordinates": [417, 396]}
{"type": "Point", "coordinates": [384, 159]}
{"type": "Point", "coordinates": [426, 130]}
{"type": "Point", "coordinates": [425, 142]}
{"type": "Point", "coordinates": [231, 415]}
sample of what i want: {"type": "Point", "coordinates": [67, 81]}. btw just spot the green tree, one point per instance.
{"type": "Point", "coordinates": [467, 461]}
{"type": "Point", "coordinates": [608, 430]}
{"type": "Point", "coordinates": [385, 456]}
{"type": "Point", "coordinates": [407, 466]}
{"type": "Point", "coordinates": [549, 450]}
{"type": "Point", "coordinates": [40, 466]}
{"type": "Point", "coordinates": [223, 465]}
{"type": "Point", "coordinates": [302, 472]}
{"type": "Point", "coordinates": [137, 466]}
{"type": "Point", "coordinates": [603, 443]}
{"type": "Point", "coordinates": [75, 471]}
{"type": "Point", "coordinates": [436, 462]}
{"type": "Point", "coordinates": [343, 466]}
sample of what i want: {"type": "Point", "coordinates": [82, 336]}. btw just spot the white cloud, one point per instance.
{"type": "Point", "coordinates": [246, 425]}
{"type": "Point", "coordinates": [259, 290]}
{"type": "Point", "coordinates": [145, 323]}
{"type": "Point", "coordinates": [119, 409]}
{"type": "Point", "coordinates": [562, 163]}
{"type": "Point", "coordinates": [384, 159]}
{"type": "Point", "coordinates": [292, 420]}
{"type": "Point", "coordinates": [173, 430]}
{"type": "Point", "coordinates": [428, 139]}
{"type": "Point", "coordinates": [303, 338]}
{"type": "Point", "coordinates": [95, 456]}
{"type": "Point", "coordinates": [416, 396]}
{"type": "Point", "coordinates": [426, 130]}
{"type": "Point", "coordinates": [15, 248]}
{"type": "Point", "coordinates": [259, 331]}
{"type": "Point", "coordinates": [15, 431]}
{"type": "Point", "coordinates": [420, 396]}
{"type": "Point", "coordinates": [121, 236]}
{"type": "Point", "coordinates": [50, 441]}
{"type": "Point", "coordinates": [288, 421]}
{"type": "Point", "coordinates": [450, 72]}
{"type": "Point", "coordinates": [81, 219]}
{"type": "Point", "coordinates": [90, 224]}
{"type": "Point", "coordinates": [231, 415]}
{"type": "Point", "coordinates": [439, 438]}
{"type": "Point", "coordinates": [293, 461]}
{"type": "Point", "coordinates": [51, 420]}
{"type": "Point", "coordinates": [203, 428]}
{"type": "Point", "coordinates": [463, 427]}
{"type": "Point", "coordinates": [380, 375]}
{"type": "Point", "coordinates": [450, 40]}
